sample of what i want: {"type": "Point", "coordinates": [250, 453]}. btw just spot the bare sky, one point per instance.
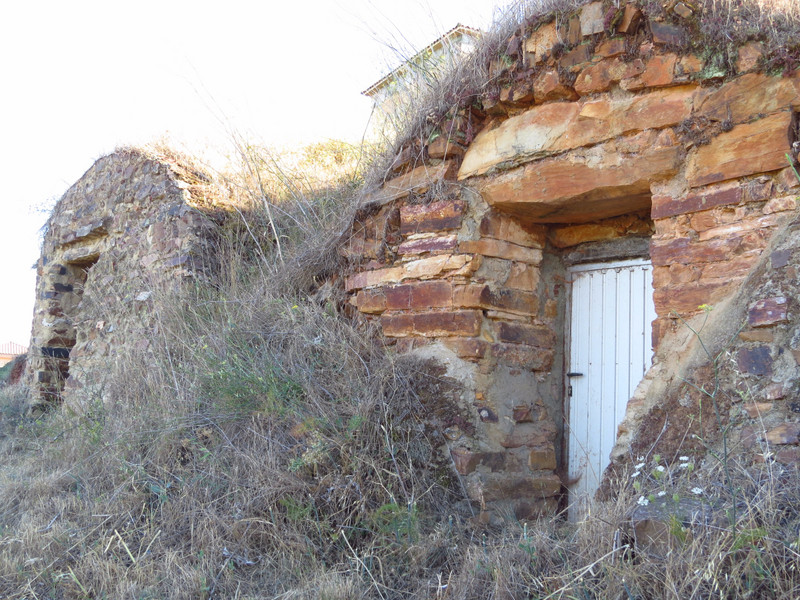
{"type": "Point", "coordinates": [80, 78]}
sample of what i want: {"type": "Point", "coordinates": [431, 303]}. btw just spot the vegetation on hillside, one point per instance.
{"type": "Point", "coordinates": [267, 446]}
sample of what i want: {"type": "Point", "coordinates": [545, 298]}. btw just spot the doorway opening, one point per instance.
{"type": "Point", "coordinates": [609, 349]}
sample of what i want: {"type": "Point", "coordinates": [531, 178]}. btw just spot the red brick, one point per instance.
{"type": "Point", "coordinates": [768, 311]}
{"type": "Point", "coordinates": [436, 216]}
{"type": "Point", "coordinates": [418, 296]}
{"type": "Point", "coordinates": [435, 244]}
{"type": "Point", "coordinates": [519, 333]}
{"type": "Point", "coordinates": [465, 323]}
{"type": "Point", "coordinates": [665, 206]}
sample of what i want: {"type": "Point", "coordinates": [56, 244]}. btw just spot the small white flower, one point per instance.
{"type": "Point", "coordinates": [636, 474]}
{"type": "Point", "coordinates": [642, 501]}
{"type": "Point", "coordinates": [683, 458]}
{"type": "Point", "coordinates": [662, 493]}
{"type": "Point", "coordinates": [639, 466]}
{"type": "Point", "coordinates": [683, 466]}
{"type": "Point", "coordinates": [660, 468]}
{"type": "Point", "coordinates": [697, 490]}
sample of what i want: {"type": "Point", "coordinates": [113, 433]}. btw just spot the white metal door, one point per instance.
{"type": "Point", "coordinates": [610, 349]}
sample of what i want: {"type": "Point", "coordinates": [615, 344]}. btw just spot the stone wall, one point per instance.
{"type": "Point", "coordinates": [132, 224]}
{"type": "Point", "coordinates": [586, 145]}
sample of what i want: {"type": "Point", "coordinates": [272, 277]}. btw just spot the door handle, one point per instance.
{"type": "Point", "coordinates": [572, 374]}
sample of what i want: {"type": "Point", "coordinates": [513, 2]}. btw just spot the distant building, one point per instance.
{"type": "Point", "coordinates": [395, 93]}
{"type": "Point", "coordinates": [9, 351]}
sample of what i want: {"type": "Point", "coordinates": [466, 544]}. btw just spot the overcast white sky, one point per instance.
{"type": "Point", "coordinates": [80, 78]}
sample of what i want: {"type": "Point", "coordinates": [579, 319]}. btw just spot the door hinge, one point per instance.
{"type": "Point", "coordinates": [569, 390]}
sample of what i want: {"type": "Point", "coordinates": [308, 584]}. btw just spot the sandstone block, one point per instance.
{"type": "Point", "coordinates": [592, 19]}
{"type": "Point", "coordinates": [506, 486]}
{"type": "Point", "coordinates": [576, 189]}
{"type": "Point", "coordinates": [370, 301]}
{"type": "Point", "coordinates": [630, 19]}
{"type": "Point", "coordinates": [423, 268]}
{"type": "Point", "coordinates": [442, 147]}
{"type": "Point", "coordinates": [667, 35]}
{"type": "Point", "coordinates": [664, 206]}
{"type": "Point", "coordinates": [524, 357]}
{"type": "Point", "coordinates": [780, 204]}
{"type": "Point", "coordinates": [687, 299]}
{"type": "Point", "coordinates": [756, 147]}
{"type": "Point", "coordinates": [541, 41]}
{"type": "Point", "coordinates": [787, 433]}
{"type": "Point", "coordinates": [418, 296]}
{"type": "Point", "coordinates": [576, 57]}
{"type": "Point", "coordinates": [467, 348]}
{"type": "Point", "coordinates": [611, 47]}
{"type": "Point", "coordinates": [659, 72]}
{"type": "Point", "coordinates": [544, 130]}
{"type": "Point", "coordinates": [747, 97]}
{"type": "Point", "coordinates": [466, 461]}
{"type": "Point", "coordinates": [768, 311]}
{"type": "Point", "coordinates": [522, 277]}
{"type": "Point", "coordinates": [519, 333]}
{"type": "Point", "coordinates": [433, 244]}
{"type": "Point", "coordinates": [433, 217]}
{"type": "Point", "coordinates": [755, 410]}
{"type": "Point", "coordinates": [417, 180]}
{"type": "Point", "coordinates": [539, 434]}
{"type": "Point", "coordinates": [503, 227]}
{"type": "Point", "coordinates": [549, 85]}
{"type": "Point", "coordinates": [484, 296]}
{"type": "Point", "coordinates": [755, 361]}
{"type": "Point", "coordinates": [465, 323]}
{"type": "Point", "coordinates": [501, 249]}
{"type": "Point", "coordinates": [757, 335]}
{"type": "Point", "coordinates": [748, 56]}
{"type": "Point", "coordinates": [542, 459]}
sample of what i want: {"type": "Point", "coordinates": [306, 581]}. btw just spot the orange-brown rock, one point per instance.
{"type": "Point", "coordinates": [549, 85]}
{"type": "Point", "coordinates": [756, 147]}
{"type": "Point", "coordinates": [579, 188]}
{"type": "Point", "coordinates": [423, 268]}
{"type": "Point", "coordinates": [503, 227]}
{"type": "Point", "coordinates": [630, 19]}
{"type": "Point", "coordinates": [501, 249]}
{"type": "Point", "coordinates": [787, 433]}
{"type": "Point", "coordinates": [495, 298]}
{"type": "Point", "coordinates": [659, 72]}
{"type": "Point", "coordinates": [747, 97]}
{"type": "Point", "coordinates": [748, 56]}
{"type": "Point", "coordinates": [433, 217]}
{"type": "Point", "coordinates": [417, 180]}
{"type": "Point", "coordinates": [543, 130]}
{"type": "Point", "coordinates": [465, 323]}
{"type": "Point", "coordinates": [542, 41]}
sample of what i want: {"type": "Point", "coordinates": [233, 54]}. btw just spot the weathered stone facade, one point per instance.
{"type": "Point", "coordinates": [132, 224]}
{"type": "Point", "coordinates": [588, 145]}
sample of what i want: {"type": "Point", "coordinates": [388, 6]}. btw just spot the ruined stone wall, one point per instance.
{"type": "Point", "coordinates": [132, 224]}
{"type": "Point", "coordinates": [590, 142]}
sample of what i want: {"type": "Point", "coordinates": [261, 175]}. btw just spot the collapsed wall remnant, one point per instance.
{"type": "Point", "coordinates": [605, 178]}
{"type": "Point", "coordinates": [133, 223]}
